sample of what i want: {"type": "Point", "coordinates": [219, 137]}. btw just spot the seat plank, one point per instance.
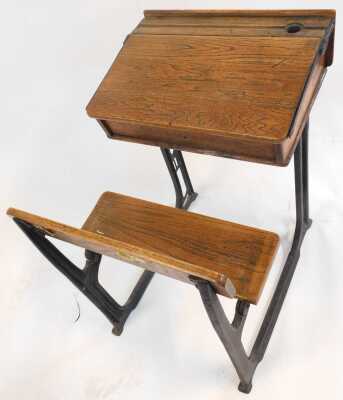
{"type": "Point", "coordinates": [173, 242]}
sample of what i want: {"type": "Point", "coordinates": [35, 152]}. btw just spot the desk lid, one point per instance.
{"type": "Point", "coordinates": [216, 75]}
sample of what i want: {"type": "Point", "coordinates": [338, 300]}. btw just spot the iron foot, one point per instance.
{"type": "Point", "coordinates": [245, 387]}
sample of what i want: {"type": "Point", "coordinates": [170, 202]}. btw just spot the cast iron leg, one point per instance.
{"type": "Point", "coordinates": [230, 334]}
{"type": "Point", "coordinates": [116, 313]}
{"type": "Point", "coordinates": [86, 280]}
{"type": "Point", "coordinates": [303, 222]}
{"type": "Point", "coordinates": [307, 220]}
{"type": "Point", "coordinates": [175, 162]}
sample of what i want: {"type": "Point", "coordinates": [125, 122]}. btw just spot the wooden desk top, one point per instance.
{"type": "Point", "coordinates": [236, 84]}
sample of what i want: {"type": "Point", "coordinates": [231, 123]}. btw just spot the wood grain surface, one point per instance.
{"type": "Point", "coordinates": [236, 259]}
{"type": "Point", "coordinates": [223, 83]}
{"type": "Point", "coordinates": [296, 13]}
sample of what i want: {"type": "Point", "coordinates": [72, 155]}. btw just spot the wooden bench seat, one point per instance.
{"type": "Point", "coordinates": [234, 258]}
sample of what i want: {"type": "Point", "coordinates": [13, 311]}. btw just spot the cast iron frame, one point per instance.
{"type": "Point", "coordinates": [86, 279]}
{"type": "Point", "coordinates": [230, 334]}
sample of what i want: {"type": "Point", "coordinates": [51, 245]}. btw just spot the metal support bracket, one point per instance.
{"type": "Point", "coordinates": [86, 280]}
{"type": "Point", "coordinates": [175, 162]}
{"type": "Point", "coordinates": [230, 333]}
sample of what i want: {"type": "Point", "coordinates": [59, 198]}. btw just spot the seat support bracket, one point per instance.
{"type": "Point", "coordinates": [86, 279]}
{"type": "Point", "coordinates": [175, 162]}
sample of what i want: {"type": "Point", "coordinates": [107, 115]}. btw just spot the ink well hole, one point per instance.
{"type": "Point", "coordinates": [294, 28]}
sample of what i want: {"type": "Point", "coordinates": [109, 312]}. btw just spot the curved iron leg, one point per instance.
{"type": "Point", "coordinates": [86, 280]}
{"type": "Point", "coordinates": [116, 313]}
{"type": "Point", "coordinates": [230, 334]}
{"type": "Point", "coordinates": [174, 161]}
{"type": "Point", "coordinates": [303, 222]}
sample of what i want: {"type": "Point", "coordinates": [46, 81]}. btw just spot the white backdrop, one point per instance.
{"type": "Point", "coordinates": [55, 162]}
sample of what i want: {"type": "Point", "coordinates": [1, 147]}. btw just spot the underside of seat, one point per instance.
{"type": "Point", "coordinates": [234, 258]}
